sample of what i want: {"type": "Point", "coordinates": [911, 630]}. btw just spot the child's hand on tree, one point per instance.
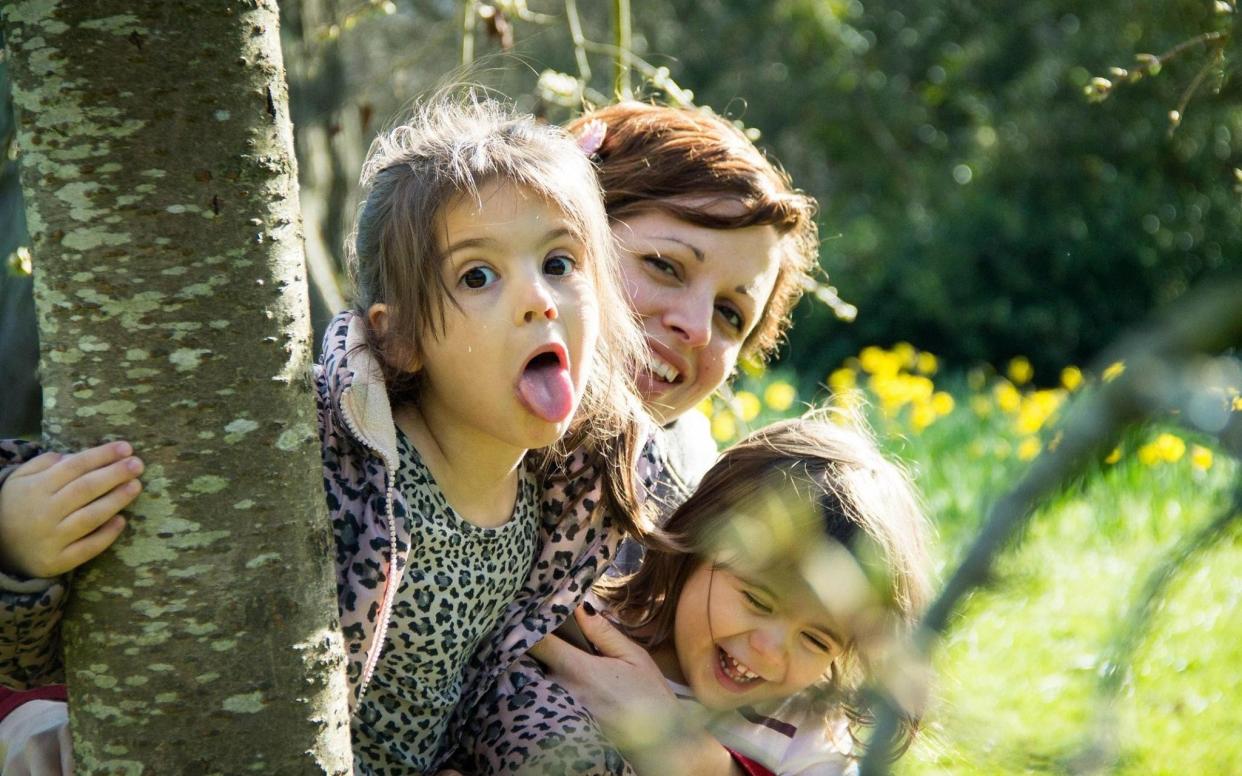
{"type": "Point", "coordinates": [59, 511]}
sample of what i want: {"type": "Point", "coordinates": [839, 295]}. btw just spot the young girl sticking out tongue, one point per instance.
{"type": "Point", "coordinates": [488, 322]}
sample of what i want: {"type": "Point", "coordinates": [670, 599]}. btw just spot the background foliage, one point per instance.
{"type": "Point", "coordinates": [974, 202]}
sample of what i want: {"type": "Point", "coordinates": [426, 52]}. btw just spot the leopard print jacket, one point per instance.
{"type": "Point", "coordinates": [576, 541]}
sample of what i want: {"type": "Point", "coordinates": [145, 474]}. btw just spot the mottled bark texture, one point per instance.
{"type": "Point", "coordinates": [161, 189]}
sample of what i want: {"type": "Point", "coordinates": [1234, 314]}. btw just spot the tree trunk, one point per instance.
{"type": "Point", "coordinates": [162, 203]}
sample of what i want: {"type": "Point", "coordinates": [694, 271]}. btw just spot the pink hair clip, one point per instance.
{"type": "Point", "coordinates": [592, 136]}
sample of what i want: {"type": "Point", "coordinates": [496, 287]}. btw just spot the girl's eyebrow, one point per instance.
{"type": "Point", "coordinates": [492, 242]}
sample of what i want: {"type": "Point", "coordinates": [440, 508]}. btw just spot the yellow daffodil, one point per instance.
{"type": "Point", "coordinates": [1166, 448]}
{"type": "Point", "coordinates": [842, 379]}
{"type": "Point", "coordinates": [779, 396]}
{"type": "Point", "coordinates": [1113, 371]}
{"type": "Point", "coordinates": [1237, 404]}
{"type": "Point", "coordinates": [905, 353]}
{"type": "Point", "coordinates": [1007, 397]}
{"type": "Point", "coordinates": [1071, 378]}
{"type": "Point", "coordinates": [921, 416]}
{"type": "Point", "coordinates": [942, 403]}
{"type": "Point", "coordinates": [1020, 370]}
{"type": "Point", "coordinates": [751, 366]}
{"type": "Point", "coordinates": [880, 362]}
{"type": "Point", "coordinates": [1200, 457]}
{"type": "Point", "coordinates": [1113, 457]}
{"type": "Point", "coordinates": [724, 427]}
{"type": "Point", "coordinates": [1028, 448]}
{"type": "Point", "coordinates": [926, 363]}
{"type": "Point", "coordinates": [747, 405]}
{"type": "Point", "coordinates": [706, 407]}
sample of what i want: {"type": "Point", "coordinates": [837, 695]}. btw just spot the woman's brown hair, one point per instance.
{"type": "Point", "coordinates": [682, 161]}
{"type": "Point", "coordinates": [804, 480]}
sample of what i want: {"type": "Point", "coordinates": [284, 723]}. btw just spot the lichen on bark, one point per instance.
{"type": "Point", "coordinates": [161, 190]}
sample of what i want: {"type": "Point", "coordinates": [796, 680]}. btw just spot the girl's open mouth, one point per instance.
{"type": "Point", "coordinates": [545, 387]}
{"type": "Point", "coordinates": [733, 675]}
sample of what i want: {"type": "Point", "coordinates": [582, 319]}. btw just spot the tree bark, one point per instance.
{"type": "Point", "coordinates": [161, 192]}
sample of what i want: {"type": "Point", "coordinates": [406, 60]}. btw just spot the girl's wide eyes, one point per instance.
{"type": "Point", "coordinates": [559, 265]}
{"type": "Point", "coordinates": [478, 277]}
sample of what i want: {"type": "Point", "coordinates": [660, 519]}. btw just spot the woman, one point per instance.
{"type": "Point", "coordinates": [716, 248]}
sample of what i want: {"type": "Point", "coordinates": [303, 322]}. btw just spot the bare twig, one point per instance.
{"type": "Point", "coordinates": [469, 16]}
{"type": "Point", "coordinates": [1175, 116]}
{"type": "Point", "coordinates": [575, 32]}
{"type": "Point", "coordinates": [622, 38]}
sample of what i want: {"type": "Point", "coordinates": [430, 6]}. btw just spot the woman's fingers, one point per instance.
{"type": "Point", "coordinates": [96, 483]}
{"type": "Point", "coordinates": [557, 654]}
{"type": "Point", "coordinates": [91, 545]}
{"type": "Point", "coordinates": [609, 641]}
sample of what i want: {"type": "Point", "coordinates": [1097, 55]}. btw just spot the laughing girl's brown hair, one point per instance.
{"type": "Point", "coordinates": [682, 161]}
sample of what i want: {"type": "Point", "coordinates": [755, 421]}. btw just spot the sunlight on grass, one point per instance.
{"type": "Point", "coordinates": [1018, 672]}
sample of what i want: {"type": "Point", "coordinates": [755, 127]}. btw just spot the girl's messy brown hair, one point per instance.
{"type": "Point", "coordinates": [852, 496]}
{"type": "Point", "coordinates": [683, 161]}
{"type": "Point", "coordinates": [452, 145]}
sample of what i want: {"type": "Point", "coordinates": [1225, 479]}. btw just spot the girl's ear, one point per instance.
{"type": "Point", "coordinates": [378, 319]}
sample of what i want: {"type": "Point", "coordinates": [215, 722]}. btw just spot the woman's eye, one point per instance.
{"type": "Point", "coordinates": [661, 265]}
{"type": "Point", "coordinates": [559, 266]}
{"type": "Point", "coordinates": [478, 277]}
{"type": "Point", "coordinates": [756, 602]}
{"type": "Point", "coordinates": [731, 316]}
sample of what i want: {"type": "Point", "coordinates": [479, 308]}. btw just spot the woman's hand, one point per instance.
{"type": "Point", "coordinates": [628, 696]}
{"type": "Point", "coordinates": [620, 685]}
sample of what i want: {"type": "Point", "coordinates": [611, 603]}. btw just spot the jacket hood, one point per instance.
{"type": "Point", "coordinates": [355, 383]}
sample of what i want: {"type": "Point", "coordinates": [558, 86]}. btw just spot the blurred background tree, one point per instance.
{"type": "Point", "coordinates": [974, 202]}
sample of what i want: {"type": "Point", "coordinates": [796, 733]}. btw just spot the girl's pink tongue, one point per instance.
{"type": "Point", "coordinates": [547, 391]}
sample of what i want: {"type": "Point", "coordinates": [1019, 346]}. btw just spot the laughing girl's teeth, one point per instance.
{"type": "Point", "coordinates": [736, 671]}
{"type": "Point", "coordinates": [662, 369]}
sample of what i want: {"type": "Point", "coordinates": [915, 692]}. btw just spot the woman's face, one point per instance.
{"type": "Point", "coordinates": [699, 293]}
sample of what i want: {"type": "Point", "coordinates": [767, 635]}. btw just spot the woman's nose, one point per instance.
{"type": "Point", "coordinates": [690, 318]}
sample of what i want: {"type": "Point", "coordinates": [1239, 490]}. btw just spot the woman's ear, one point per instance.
{"type": "Point", "coordinates": [379, 320]}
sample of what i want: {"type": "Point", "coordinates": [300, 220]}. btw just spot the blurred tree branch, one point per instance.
{"type": "Point", "coordinates": [1167, 366]}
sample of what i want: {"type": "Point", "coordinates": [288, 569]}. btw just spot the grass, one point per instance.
{"type": "Point", "coordinates": [1019, 671]}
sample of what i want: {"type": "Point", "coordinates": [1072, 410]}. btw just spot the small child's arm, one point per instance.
{"type": "Point", "coordinates": [59, 511]}
{"type": "Point", "coordinates": [56, 512]}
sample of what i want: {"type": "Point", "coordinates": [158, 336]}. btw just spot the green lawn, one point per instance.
{"type": "Point", "coordinates": [1018, 674]}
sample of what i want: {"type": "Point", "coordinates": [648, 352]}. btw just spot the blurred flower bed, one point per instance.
{"type": "Point", "coordinates": [1019, 669]}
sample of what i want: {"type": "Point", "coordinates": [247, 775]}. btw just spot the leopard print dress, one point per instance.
{"type": "Point", "coordinates": [452, 593]}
